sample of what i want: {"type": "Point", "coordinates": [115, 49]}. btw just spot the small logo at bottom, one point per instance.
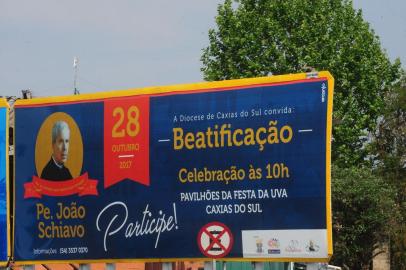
{"type": "Point", "coordinates": [312, 247]}
{"type": "Point", "coordinates": [274, 246]}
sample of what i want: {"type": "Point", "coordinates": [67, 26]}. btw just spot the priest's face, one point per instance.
{"type": "Point", "coordinates": [61, 146]}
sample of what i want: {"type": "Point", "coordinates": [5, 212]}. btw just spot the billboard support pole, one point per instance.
{"type": "Point", "coordinates": [167, 266]}
{"type": "Point", "coordinates": [258, 265]}
{"type": "Point", "coordinates": [110, 266]}
{"type": "Point", "coordinates": [82, 266]}
{"type": "Point", "coordinates": [210, 265]}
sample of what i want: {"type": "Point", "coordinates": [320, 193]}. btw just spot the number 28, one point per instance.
{"type": "Point", "coordinates": [132, 128]}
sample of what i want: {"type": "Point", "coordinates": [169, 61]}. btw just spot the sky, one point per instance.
{"type": "Point", "coordinates": [126, 44]}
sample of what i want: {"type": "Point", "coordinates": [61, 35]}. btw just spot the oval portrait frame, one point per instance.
{"type": "Point", "coordinates": [43, 145]}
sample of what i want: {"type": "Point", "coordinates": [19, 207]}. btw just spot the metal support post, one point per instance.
{"type": "Point", "coordinates": [210, 265]}
{"type": "Point", "coordinates": [258, 265]}
{"type": "Point", "coordinates": [110, 266]}
{"type": "Point", "coordinates": [167, 266]}
{"type": "Point", "coordinates": [84, 266]}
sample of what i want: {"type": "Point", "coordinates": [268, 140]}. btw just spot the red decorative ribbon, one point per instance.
{"type": "Point", "coordinates": [81, 185]}
{"type": "Point", "coordinates": [126, 156]}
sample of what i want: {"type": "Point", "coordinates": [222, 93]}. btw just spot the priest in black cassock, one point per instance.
{"type": "Point", "coordinates": [55, 169]}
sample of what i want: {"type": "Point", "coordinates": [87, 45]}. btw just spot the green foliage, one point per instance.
{"type": "Point", "coordinates": [263, 37]}
{"type": "Point", "coordinates": [363, 206]}
{"type": "Point", "coordinates": [389, 149]}
{"type": "Point", "coordinates": [389, 145]}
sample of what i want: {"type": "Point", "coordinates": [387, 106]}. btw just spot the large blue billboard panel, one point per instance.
{"type": "Point", "coordinates": [237, 170]}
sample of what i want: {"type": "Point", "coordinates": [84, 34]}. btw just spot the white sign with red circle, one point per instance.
{"type": "Point", "coordinates": [215, 240]}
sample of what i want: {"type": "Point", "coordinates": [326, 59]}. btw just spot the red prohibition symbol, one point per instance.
{"type": "Point", "coordinates": [215, 240]}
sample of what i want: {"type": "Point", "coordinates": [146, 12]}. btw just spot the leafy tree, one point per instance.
{"type": "Point", "coordinates": [363, 206]}
{"type": "Point", "coordinates": [389, 147]}
{"type": "Point", "coordinates": [263, 37]}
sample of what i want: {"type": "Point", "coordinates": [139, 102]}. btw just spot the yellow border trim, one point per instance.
{"type": "Point", "coordinates": [160, 260]}
{"type": "Point", "coordinates": [4, 104]}
{"type": "Point", "coordinates": [14, 190]}
{"type": "Point", "coordinates": [330, 89]}
{"type": "Point", "coordinates": [197, 87]}
{"type": "Point", "coordinates": [164, 89]}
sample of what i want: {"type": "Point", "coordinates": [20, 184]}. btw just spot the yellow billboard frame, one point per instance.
{"type": "Point", "coordinates": [4, 104]}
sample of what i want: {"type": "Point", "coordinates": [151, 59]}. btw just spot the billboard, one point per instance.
{"type": "Point", "coordinates": [238, 170]}
{"type": "Point", "coordinates": [4, 224]}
